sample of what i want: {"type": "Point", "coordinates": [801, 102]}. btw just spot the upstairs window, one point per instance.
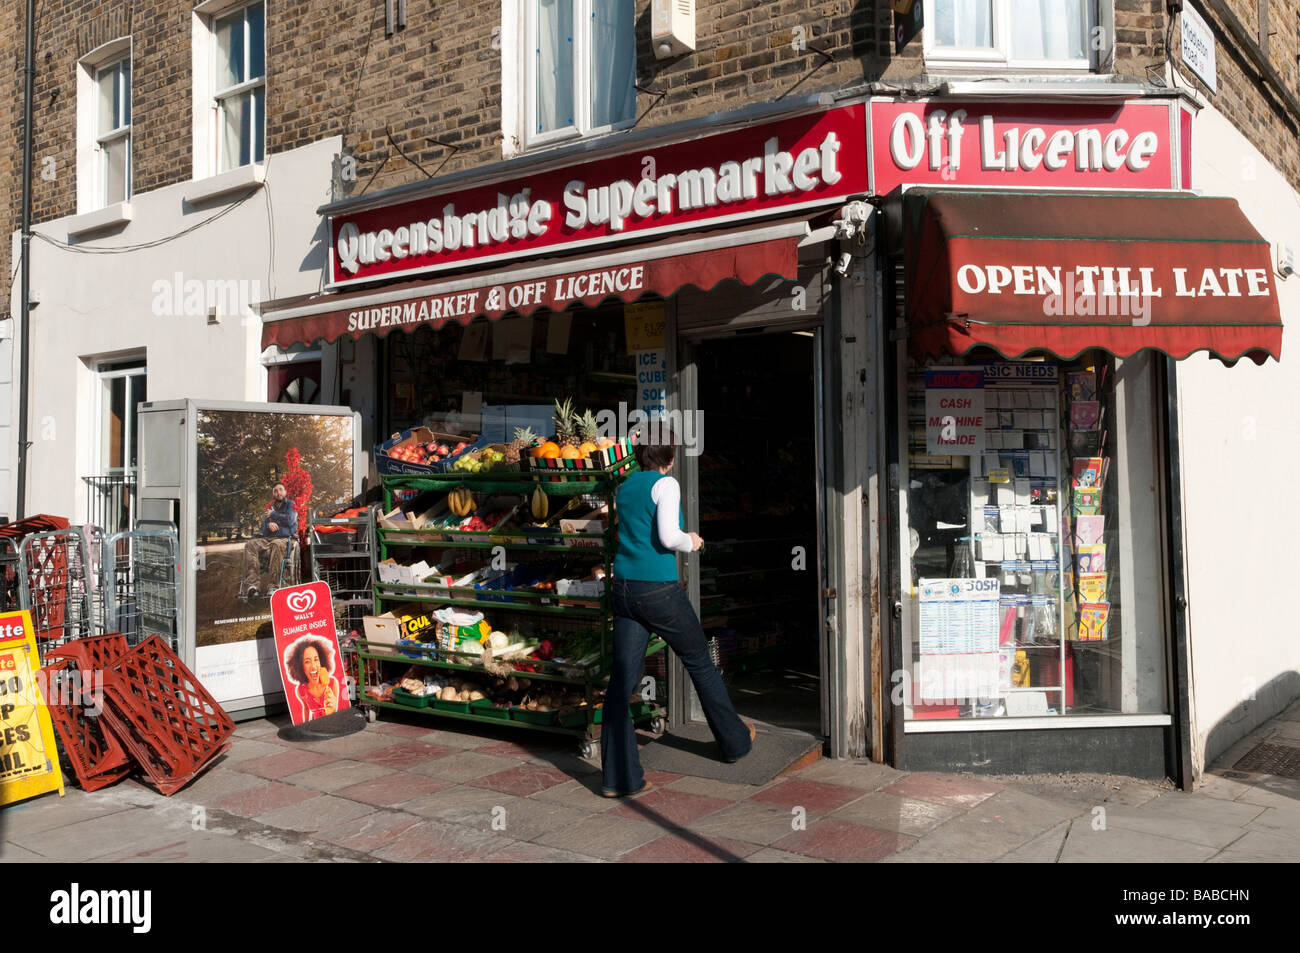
{"type": "Point", "coordinates": [579, 71]}
{"type": "Point", "coordinates": [239, 86]}
{"type": "Point", "coordinates": [1032, 35]}
{"type": "Point", "coordinates": [113, 133]}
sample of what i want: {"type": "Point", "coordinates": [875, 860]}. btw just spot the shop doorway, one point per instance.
{"type": "Point", "coordinates": [759, 508]}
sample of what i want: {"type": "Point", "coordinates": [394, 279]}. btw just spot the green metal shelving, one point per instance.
{"type": "Point", "coordinates": [596, 611]}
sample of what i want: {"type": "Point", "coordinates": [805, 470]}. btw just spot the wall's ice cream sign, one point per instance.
{"type": "Point", "coordinates": [795, 163]}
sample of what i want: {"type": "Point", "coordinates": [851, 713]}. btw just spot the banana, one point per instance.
{"type": "Point", "coordinates": [540, 504]}
{"type": "Point", "coordinates": [460, 501]}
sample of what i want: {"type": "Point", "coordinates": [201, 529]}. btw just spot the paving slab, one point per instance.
{"type": "Point", "coordinates": [407, 754]}
{"type": "Point", "coordinates": [462, 766]}
{"type": "Point", "coordinates": [314, 814]}
{"type": "Point", "coordinates": [1189, 807]}
{"type": "Point", "coordinates": [13, 854]}
{"type": "Point", "coordinates": [354, 745]}
{"type": "Point", "coordinates": [136, 829]}
{"type": "Point", "coordinates": [750, 821]}
{"type": "Point", "coordinates": [401, 729]}
{"type": "Point", "coordinates": [433, 842]}
{"type": "Point", "coordinates": [260, 727]}
{"type": "Point", "coordinates": [769, 855]}
{"type": "Point", "coordinates": [709, 787]}
{"type": "Point", "coordinates": [1270, 791]}
{"type": "Point", "coordinates": [216, 784]}
{"type": "Point", "coordinates": [888, 812]}
{"type": "Point", "coordinates": [246, 749]}
{"type": "Point", "coordinates": [815, 797]}
{"type": "Point", "coordinates": [537, 854]}
{"type": "Point", "coordinates": [583, 794]}
{"type": "Point", "coordinates": [260, 800]}
{"type": "Point", "coordinates": [1121, 846]}
{"type": "Point", "coordinates": [1268, 844]}
{"type": "Point", "coordinates": [285, 762]}
{"type": "Point", "coordinates": [463, 806]}
{"type": "Point", "coordinates": [526, 819]}
{"type": "Point", "coordinates": [684, 847]}
{"type": "Point", "coordinates": [193, 849]}
{"type": "Point", "coordinates": [1283, 819]}
{"type": "Point", "coordinates": [393, 788]}
{"type": "Point", "coordinates": [522, 780]}
{"type": "Point", "coordinates": [997, 826]}
{"type": "Point", "coordinates": [844, 842]}
{"type": "Point", "coordinates": [1221, 788]}
{"type": "Point", "coordinates": [50, 811]}
{"type": "Point", "coordinates": [1043, 849]}
{"type": "Point", "coordinates": [854, 774]}
{"type": "Point", "coordinates": [1172, 826]}
{"type": "Point", "coordinates": [951, 789]}
{"type": "Point", "coordinates": [370, 832]}
{"type": "Point", "coordinates": [339, 774]}
{"type": "Point", "coordinates": [667, 809]}
{"type": "Point", "coordinates": [602, 836]}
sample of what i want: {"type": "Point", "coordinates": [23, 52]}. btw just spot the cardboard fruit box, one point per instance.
{"type": "Point", "coordinates": [389, 466]}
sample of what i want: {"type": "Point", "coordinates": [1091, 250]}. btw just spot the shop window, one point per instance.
{"type": "Point", "coordinates": [1032, 561]}
{"type": "Point", "coordinates": [575, 72]}
{"type": "Point", "coordinates": [1017, 34]}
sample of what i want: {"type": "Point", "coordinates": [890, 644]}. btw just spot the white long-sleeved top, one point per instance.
{"type": "Point", "coordinates": [667, 497]}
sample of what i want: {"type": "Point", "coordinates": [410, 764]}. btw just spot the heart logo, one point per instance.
{"type": "Point", "coordinates": [301, 601]}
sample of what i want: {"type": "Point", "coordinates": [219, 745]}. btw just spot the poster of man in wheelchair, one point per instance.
{"type": "Point", "coordinates": [259, 476]}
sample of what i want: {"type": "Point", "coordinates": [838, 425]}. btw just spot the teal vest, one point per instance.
{"type": "Point", "coordinates": [640, 555]}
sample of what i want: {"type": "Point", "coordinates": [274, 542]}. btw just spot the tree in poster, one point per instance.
{"type": "Point", "coordinates": [298, 487]}
{"type": "Point", "coordinates": [242, 453]}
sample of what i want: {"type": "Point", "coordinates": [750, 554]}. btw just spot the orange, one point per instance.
{"type": "Point", "coordinates": [570, 452]}
{"type": "Point", "coordinates": [550, 451]}
{"type": "Point", "coordinates": [587, 449]}
{"type": "Point", "coordinates": [604, 442]}
{"type": "Point", "coordinates": [535, 451]}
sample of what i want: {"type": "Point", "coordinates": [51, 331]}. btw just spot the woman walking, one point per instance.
{"type": "Point", "coordinates": [649, 599]}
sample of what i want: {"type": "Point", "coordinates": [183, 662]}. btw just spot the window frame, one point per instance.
{"type": "Point", "coordinates": [582, 127]}
{"type": "Point", "coordinates": [998, 56]}
{"type": "Point", "coordinates": [221, 95]}
{"type": "Point", "coordinates": [104, 140]}
{"type": "Point", "coordinates": [106, 370]}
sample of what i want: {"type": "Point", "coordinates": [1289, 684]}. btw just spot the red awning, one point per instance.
{"type": "Point", "coordinates": [1064, 272]}
{"type": "Point", "coordinates": [622, 274]}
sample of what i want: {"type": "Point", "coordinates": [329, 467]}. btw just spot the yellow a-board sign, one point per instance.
{"type": "Point", "coordinates": [29, 760]}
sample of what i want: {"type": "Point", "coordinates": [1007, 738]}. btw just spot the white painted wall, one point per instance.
{"type": "Point", "coordinates": [1240, 460]}
{"type": "Point", "coordinates": [95, 305]}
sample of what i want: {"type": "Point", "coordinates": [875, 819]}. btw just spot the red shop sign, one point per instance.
{"type": "Point", "coordinates": [801, 162]}
{"type": "Point", "coordinates": [1124, 145]}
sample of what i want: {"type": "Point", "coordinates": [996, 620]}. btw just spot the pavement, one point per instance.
{"type": "Point", "coordinates": [403, 791]}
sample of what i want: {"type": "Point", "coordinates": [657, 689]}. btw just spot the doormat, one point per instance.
{"type": "Point", "coordinates": [691, 750]}
{"type": "Point", "coordinates": [1282, 761]}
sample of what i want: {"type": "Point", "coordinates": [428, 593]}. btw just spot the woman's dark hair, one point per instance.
{"type": "Point", "coordinates": [659, 453]}
{"type": "Point", "coordinates": [293, 664]}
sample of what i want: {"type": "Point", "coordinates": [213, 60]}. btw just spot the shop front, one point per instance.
{"type": "Point", "coordinates": [684, 276]}
{"type": "Point", "coordinates": [1045, 273]}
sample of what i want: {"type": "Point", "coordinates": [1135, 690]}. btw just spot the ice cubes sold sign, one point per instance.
{"type": "Point", "coordinates": [954, 411]}
{"type": "Point", "coordinates": [307, 649]}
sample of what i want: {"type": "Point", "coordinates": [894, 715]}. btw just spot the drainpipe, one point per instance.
{"type": "Point", "coordinates": [25, 300]}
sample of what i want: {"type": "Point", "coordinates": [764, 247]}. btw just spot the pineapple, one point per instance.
{"type": "Point", "coordinates": [524, 438]}
{"type": "Point", "coordinates": [564, 424]}
{"type": "Point", "coordinates": [588, 429]}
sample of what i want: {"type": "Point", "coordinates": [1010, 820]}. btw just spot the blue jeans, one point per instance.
{"type": "Point", "coordinates": [664, 609]}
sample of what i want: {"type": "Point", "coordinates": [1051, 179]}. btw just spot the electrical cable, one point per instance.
{"type": "Point", "coordinates": [123, 249]}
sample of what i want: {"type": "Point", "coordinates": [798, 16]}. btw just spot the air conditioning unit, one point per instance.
{"type": "Point", "coordinates": [672, 27]}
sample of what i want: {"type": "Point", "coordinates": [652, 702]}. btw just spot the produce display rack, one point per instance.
{"type": "Point", "coordinates": [525, 610]}
{"type": "Point", "coordinates": [344, 558]}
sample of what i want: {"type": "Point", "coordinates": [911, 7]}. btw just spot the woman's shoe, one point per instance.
{"type": "Point", "coordinates": [610, 792]}
{"type": "Point", "coordinates": [753, 732]}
